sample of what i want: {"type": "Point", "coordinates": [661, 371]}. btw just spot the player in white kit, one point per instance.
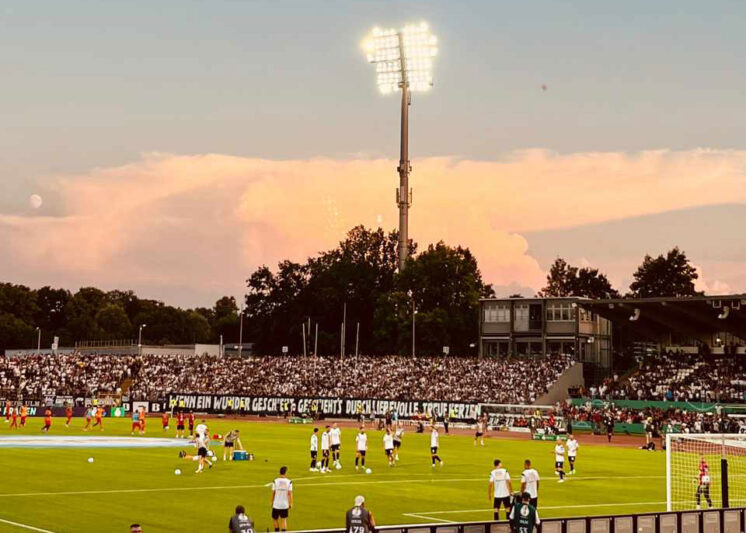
{"type": "Point", "coordinates": [499, 489]}
{"type": "Point", "coordinates": [530, 482]}
{"type": "Point", "coordinates": [559, 461]}
{"type": "Point", "coordinates": [335, 436]}
{"type": "Point", "coordinates": [325, 451]}
{"type": "Point", "coordinates": [361, 445]}
{"type": "Point", "coordinates": [388, 446]}
{"type": "Point", "coordinates": [434, 443]}
{"type": "Point", "coordinates": [572, 452]}
{"type": "Point", "coordinates": [314, 449]}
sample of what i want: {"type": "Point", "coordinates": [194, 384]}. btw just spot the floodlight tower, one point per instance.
{"type": "Point", "coordinates": [404, 60]}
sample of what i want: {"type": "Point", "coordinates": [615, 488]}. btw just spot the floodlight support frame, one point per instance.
{"type": "Point", "coordinates": [403, 197]}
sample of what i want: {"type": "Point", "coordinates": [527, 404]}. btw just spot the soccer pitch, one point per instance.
{"type": "Point", "coordinates": [58, 490]}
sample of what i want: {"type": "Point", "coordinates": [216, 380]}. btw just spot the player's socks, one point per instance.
{"type": "Point", "coordinates": [496, 516]}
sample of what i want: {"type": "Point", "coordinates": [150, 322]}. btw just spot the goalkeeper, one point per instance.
{"type": "Point", "coordinates": [703, 482]}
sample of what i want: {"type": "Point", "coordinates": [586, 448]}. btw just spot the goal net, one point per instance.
{"type": "Point", "coordinates": [705, 470]}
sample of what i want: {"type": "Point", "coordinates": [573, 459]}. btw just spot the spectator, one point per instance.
{"type": "Point", "coordinates": [240, 523]}
{"type": "Point", "coordinates": [359, 519]}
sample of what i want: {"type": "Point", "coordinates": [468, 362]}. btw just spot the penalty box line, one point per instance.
{"type": "Point", "coordinates": [25, 526]}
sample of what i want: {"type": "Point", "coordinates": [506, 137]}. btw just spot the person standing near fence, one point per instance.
{"type": "Point", "coordinates": [359, 519]}
{"type": "Point", "coordinates": [523, 516]}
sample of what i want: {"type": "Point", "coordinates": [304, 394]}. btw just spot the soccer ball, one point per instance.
{"type": "Point", "coordinates": [177, 472]}
{"type": "Point", "coordinates": [338, 467]}
{"type": "Point", "coordinates": [214, 459]}
{"type": "Point", "coordinates": [90, 459]}
{"type": "Point", "coordinates": [368, 471]}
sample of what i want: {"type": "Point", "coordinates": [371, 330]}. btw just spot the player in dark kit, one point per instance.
{"type": "Point", "coordinates": [180, 419]}
{"type": "Point", "coordinates": [609, 421]}
{"type": "Point", "coordinates": [703, 483]}
{"type": "Point", "coordinates": [523, 516]}
{"type": "Point", "coordinates": [359, 519]}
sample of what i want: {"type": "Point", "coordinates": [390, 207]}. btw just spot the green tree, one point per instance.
{"type": "Point", "coordinates": [669, 275]}
{"type": "Point", "coordinates": [114, 322]}
{"type": "Point", "coordinates": [566, 280]}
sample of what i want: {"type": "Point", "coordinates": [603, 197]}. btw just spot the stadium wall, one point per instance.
{"type": "Point", "coordinates": [572, 377]}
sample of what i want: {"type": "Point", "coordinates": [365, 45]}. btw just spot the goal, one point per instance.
{"type": "Point", "coordinates": [705, 470]}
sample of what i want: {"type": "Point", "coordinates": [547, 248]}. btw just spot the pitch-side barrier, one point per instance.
{"type": "Point", "coordinates": [694, 521]}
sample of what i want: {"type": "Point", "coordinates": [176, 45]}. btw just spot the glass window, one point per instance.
{"type": "Point", "coordinates": [496, 312]}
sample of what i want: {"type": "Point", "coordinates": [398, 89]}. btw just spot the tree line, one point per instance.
{"type": "Point", "coordinates": [356, 283]}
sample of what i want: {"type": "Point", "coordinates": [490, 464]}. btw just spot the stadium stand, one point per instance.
{"type": "Point", "coordinates": [394, 377]}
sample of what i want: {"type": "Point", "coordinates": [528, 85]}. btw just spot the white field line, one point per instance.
{"type": "Point", "coordinates": [541, 507]}
{"type": "Point", "coordinates": [428, 518]}
{"type": "Point", "coordinates": [25, 526]}
{"type": "Point", "coordinates": [263, 485]}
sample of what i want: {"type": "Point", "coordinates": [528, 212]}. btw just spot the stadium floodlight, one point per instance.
{"type": "Point", "coordinates": [403, 60]}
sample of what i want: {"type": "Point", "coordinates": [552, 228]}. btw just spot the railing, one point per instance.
{"type": "Point", "coordinates": [694, 521]}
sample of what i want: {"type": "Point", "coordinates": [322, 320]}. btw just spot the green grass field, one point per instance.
{"type": "Point", "coordinates": [57, 490]}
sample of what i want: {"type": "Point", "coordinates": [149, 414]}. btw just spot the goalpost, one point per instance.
{"type": "Point", "coordinates": [721, 479]}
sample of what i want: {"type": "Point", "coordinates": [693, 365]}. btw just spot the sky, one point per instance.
{"type": "Point", "coordinates": [178, 145]}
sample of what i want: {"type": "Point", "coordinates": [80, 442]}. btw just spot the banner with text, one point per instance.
{"type": "Point", "coordinates": [336, 407]}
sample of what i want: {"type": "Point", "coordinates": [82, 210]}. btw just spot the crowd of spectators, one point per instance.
{"type": "Point", "coordinates": [456, 379]}
{"type": "Point", "coordinates": [678, 376]}
{"type": "Point", "coordinates": [35, 376]}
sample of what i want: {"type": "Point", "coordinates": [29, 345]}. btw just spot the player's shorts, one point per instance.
{"type": "Point", "coordinates": [228, 444]}
{"type": "Point", "coordinates": [397, 443]}
{"type": "Point", "coordinates": [571, 458]}
{"type": "Point", "coordinates": [279, 513]}
{"type": "Point", "coordinates": [388, 451]}
{"type": "Point", "coordinates": [314, 454]}
{"type": "Point", "coordinates": [501, 501]}
{"type": "Point", "coordinates": [325, 453]}
{"type": "Point", "coordinates": [361, 452]}
{"type": "Point", "coordinates": [479, 434]}
{"type": "Point", "coordinates": [559, 464]}
{"type": "Point", "coordinates": [135, 425]}
{"type": "Point", "coordinates": [335, 447]}
{"type": "Point", "coordinates": [202, 452]}
{"type": "Point", "coordinates": [434, 450]}
{"type": "Point", "coordinates": [180, 427]}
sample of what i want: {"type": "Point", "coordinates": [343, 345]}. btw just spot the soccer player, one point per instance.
{"type": "Point", "coordinates": [335, 435]}
{"type": "Point", "coordinates": [99, 414]}
{"type": "Point", "coordinates": [88, 417]}
{"type": "Point", "coordinates": [68, 415]}
{"type": "Point", "coordinates": [559, 461]}
{"type": "Point", "coordinates": [314, 450]}
{"type": "Point", "coordinates": [434, 441]}
{"type": "Point", "coordinates": [325, 451]}
{"type": "Point", "coordinates": [703, 482]}
{"type": "Point", "coordinates": [230, 442]}
{"type": "Point", "coordinates": [572, 452]}
{"type": "Point", "coordinates": [24, 415]}
{"type": "Point", "coordinates": [479, 435]}
{"type": "Point", "coordinates": [359, 519]}
{"type": "Point", "coordinates": [135, 421]}
{"type": "Point", "coordinates": [609, 421]}
{"type": "Point", "coordinates": [648, 431]}
{"type": "Point", "coordinates": [14, 419]}
{"type": "Point", "coordinates": [202, 443]}
{"type": "Point", "coordinates": [530, 482]}
{"type": "Point", "coordinates": [47, 420]}
{"type": "Point", "coordinates": [361, 444]}
{"type": "Point", "coordinates": [499, 489]}
{"type": "Point", "coordinates": [282, 500]}
{"type": "Point", "coordinates": [398, 435]}
{"type": "Point", "coordinates": [191, 424]}
{"type": "Point", "coordinates": [7, 411]}
{"type": "Point", "coordinates": [164, 421]}
{"type": "Point", "coordinates": [180, 425]}
{"type": "Point", "coordinates": [388, 446]}
{"type": "Point", "coordinates": [524, 516]}
{"type": "Point", "coordinates": [202, 428]}
{"type": "Point", "coordinates": [142, 420]}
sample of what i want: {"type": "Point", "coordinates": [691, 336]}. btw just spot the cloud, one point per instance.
{"type": "Point", "coordinates": [190, 228]}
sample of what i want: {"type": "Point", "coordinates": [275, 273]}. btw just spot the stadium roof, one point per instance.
{"type": "Point", "coordinates": [656, 316]}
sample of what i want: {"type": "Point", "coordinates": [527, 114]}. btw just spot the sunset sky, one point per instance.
{"type": "Point", "coordinates": [177, 145]}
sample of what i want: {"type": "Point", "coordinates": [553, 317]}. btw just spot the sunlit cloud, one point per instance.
{"type": "Point", "coordinates": [190, 228]}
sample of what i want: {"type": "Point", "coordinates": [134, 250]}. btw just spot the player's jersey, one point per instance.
{"type": "Point", "coordinates": [335, 434]}
{"type": "Point", "coordinates": [324, 441]}
{"type": "Point", "coordinates": [480, 427]}
{"type": "Point", "coordinates": [531, 478]}
{"type": "Point", "coordinates": [398, 434]}
{"type": "Point", "coordinates": [434, 438]}
{"type": "Point", "coordinates": [314, 443]}
{"type": "Point", "coordinates": [499, 478]}
{"type": "Point", "coordinates": [282, 488]}
{"type": "Point", "coordinates": [388, 442]}
{"type": "Point", "coordinates": [180, 419]}
{"type": "Point", "coordinates": [559, 453]}
{"type": "Point", "coordinates": [201, 441]}
{"type": "Point", "coordinates": [572, 447]}
{"type": "Point", "coordinates": [135, 416]}
{"type": "Point", "coordinates": [361, 441]}
{"type": "Point", "coordinates": [704, 473]}
{"type": "Point", "coordinates": [201, 429]}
